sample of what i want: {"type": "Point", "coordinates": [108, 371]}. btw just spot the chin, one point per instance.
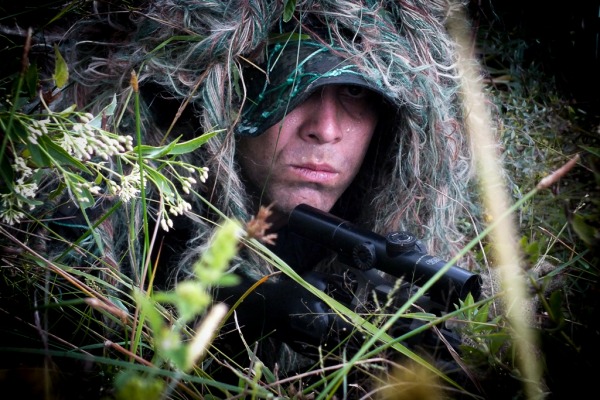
{"type": "Point", "coordinates": [317, 203]}
{"type": "Point", "coordinates": [290, 198]}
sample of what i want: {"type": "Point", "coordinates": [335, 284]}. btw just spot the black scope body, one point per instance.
{"type": "Point", "coordinates": [396, 254]}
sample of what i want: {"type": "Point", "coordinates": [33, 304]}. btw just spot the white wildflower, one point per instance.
{"type": "Point", "coordinates": [42, 124]}
{"type": "Point", "coordinates": [7, 199]}
{"type": "Point", "coordinates": [180, 207]}
{"type": "Point", "coordinates": [34, 130]}
{"type": "Point", "coordinates": [130, 185]}
{"type": "Point", "coordinates": [86, 118]}
{"type": "Point", "coordinates": [89, 130]}
{"type": "Point", "coordinates": [13, 205]}
{"type": "Point", "coordinates": [163, 224]}
{"type": "Point", "coordinates": [76, 146]}
{"type": "Point", "coordinates": [28, 190]}
{"type": "Point", "coordinates": [11, 216]}
{"type": "Point", "coordinates": [77, 128]}
{"type": "Point", "coordinates": [21, 167]}
{"type": "Point", "coordinates": [203, 174]}
{"type": "Point", "coordinates": [81, 148]}
{"type": "Point", "coordinates": [95, 189]}
{"type": "Point", "coordinates": [112, 187]}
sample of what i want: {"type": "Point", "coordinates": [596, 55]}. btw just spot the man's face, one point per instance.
{"type": "Point", "coordinates": [313, 155]}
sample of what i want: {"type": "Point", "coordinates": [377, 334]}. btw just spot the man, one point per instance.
{"type": "Point", "coordinates": [308, 150]}
{"type": "Point", "coordinates": [348, 106]}
{"type": "Point", "coordinates": [324, 123]}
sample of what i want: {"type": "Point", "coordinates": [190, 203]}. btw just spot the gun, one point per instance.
{"type": "Point", "coordinates": [398, 254]}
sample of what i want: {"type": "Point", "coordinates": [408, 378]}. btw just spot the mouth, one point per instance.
{"type": "Point", "coordinates": [316, 173]}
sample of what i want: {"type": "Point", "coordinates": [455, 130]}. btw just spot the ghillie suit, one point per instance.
{"type": "Point", "coordinates": [424, 182]}
{"type": "Point", "coordinates": [193, 59]}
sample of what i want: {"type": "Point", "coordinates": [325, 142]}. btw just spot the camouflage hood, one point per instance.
{"type": "Point", "coordinates": [221, 62]}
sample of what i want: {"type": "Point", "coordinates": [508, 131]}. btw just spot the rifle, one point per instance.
{"type": "Point", "coordinates": [398, 254]}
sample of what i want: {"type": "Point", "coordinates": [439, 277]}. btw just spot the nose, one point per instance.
{"type": "Point", "coordinates": [323, 119]}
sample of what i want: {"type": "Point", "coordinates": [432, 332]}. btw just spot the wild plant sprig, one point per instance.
{"type": "Point", "coordinates": [71, 149]}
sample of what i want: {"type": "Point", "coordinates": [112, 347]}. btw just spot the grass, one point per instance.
{"type": "Point", "coordinates": [94, 331]}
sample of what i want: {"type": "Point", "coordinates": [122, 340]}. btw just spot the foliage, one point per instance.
{"type": "Point", "coordinates": [152, 345]}
{"type": "Point", "coordinates": [543, 126]}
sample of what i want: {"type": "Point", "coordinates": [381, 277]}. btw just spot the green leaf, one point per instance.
{"type": "Point", "coordinates": [482, 313]}
{"type": "Point", "coordinates": [66, 113]}
{"type": "Point", "coordinates": [57, 192]}
{"type": "Point", "coordinates": [149, 309]}
{"type": "Point", "coordinates": [132, 385]}
{"type": "Point", "coordinates": [192, 299]}
{"type": "Point", "coordinates": [162, 183]}
{"type": "Point", "coordinates": [497, 341]}
{"type": "Point", "coordinates": [174, 148]}
{"type": "Point", "coordinates": [60, 156]}
{"type": "Point", "coordinates": [585, 231]}
{"type": "Point", "coordinates": [229, 280]}
{"type": "Point", "coordinates": [592, 150]}
{"type": "Point", "coordinates": [215, 260]}
{"type": "Point", "coordinates": [38, 157]}
{"type": "Point", "coordinates": [107, 111]}
{"type": "Point", "coordinates": [7, 174]}
{"type": "Point", "coordinates": [288, 10]}
{"type": "Point", "coordinates": [31, 80]}
{"type": "Point", "coordinates": [18, 131]}
{"type": "Point", "coordinates": [191, 145]}
{"type": "Point", "coordinates": [29, 201]}
{"type": "Point", "coordinates": [170, 347]}
{"type": "Point", "coordinates": [556, 311]}
{"type": "Point", "coordinates": [154, 152]}
{"type": "Point", "coordinates": [61, 70]}
{"type": "Point", "coordinates": [85, 197]}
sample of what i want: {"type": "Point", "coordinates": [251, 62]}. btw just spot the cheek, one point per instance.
{"type": "Point", "coordinates": [356, 149]}
{"type": "Point", "coordinates": [363, 139]}
{"type": "Point", "coordinates": [256, 155]}
{"type": "Point", "coordinates": [254, 151]}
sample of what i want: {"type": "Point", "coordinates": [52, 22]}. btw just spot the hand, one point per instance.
{"type": "Point", "coordinates": [300, 318]}
{"type": "Point", "coordinates": [287, 310]}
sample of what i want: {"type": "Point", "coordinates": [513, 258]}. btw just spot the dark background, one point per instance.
{"type": "Point", "coordinates": [563, 40]}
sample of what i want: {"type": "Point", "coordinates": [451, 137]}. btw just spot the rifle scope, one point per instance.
{"type": "Point", "coordinates": [396, 254]}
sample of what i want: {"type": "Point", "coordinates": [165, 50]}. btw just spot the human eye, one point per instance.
{"type": "Point", "coordinates": [354, 91]}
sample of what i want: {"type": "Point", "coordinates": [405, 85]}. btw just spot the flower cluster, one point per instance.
{"type": "Point", "coordinates": [129, 187]}
{"type": "Point", "coordinates": [85, 140]}
{"type": "Point", "coordinates": [24, 192]}
{"type": "Point", "coordinates": [175, 204]}
{"type": "Point", "coordinates": [73, 149]}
